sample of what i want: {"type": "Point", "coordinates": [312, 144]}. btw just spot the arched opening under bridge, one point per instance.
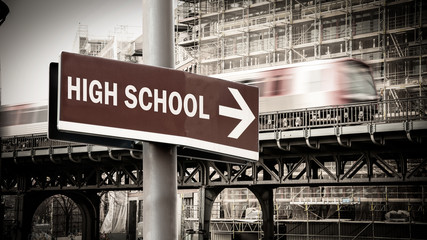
{"type": "Point", "coordinates": [57, 217]}
{"type": "Point", "coordinates": [32, 209]}
{"type": "Point", "coordinates": [241, 213]}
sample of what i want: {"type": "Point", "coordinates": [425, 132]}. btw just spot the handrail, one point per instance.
{"type": "Point", "coordinates": [387, 111]}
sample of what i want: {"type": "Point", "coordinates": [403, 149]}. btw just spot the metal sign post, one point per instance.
{"type": "Point", "coordinates": [159, 160]}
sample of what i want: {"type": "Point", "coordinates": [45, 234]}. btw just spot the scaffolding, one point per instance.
{"type": "Point", "coordinates": [326, 212]}
{"type": "Point", "coordinates": [122, 44]}
{"type": "Point", "coordinates": [219, 36]}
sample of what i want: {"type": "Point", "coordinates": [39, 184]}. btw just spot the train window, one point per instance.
{"type": "Point", "coordinates": [23, 116]}
{"type": "Point", "coordinates": [8, 118]}
{"type": "Point", "coordinates": [274, 83]}
{"type": "Point", "coordinates": [360, 80]}
{"type": "Point", "coordinates": [314, 80]}
{"type": "Point", "coordinates": [310, 79]}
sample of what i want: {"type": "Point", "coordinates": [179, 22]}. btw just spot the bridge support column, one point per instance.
{"type": "Point", "coordinates": [265, 198]}
{"type": "Point", "coordinates": [207, 199]}
{"type": "Point", "coordinates": [25, 206]}
{"type": "Point", "coordinates": [1, 217]}
{"type": "Point", "coordinates": [89, 203]}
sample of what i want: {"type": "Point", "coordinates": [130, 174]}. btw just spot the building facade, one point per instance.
{"type": "Point", "coordinates": [218, 36]}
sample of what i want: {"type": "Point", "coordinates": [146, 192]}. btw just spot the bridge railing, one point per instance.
{"type": "Point", "coordinates": [32, 142]}
{"type": "Point", "coordinates": [343, 115]}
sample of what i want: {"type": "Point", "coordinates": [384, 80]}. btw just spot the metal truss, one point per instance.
{"type": "Point", "coordinates": [101, 168]}
{"type": "Point", "coordinates": [344, 145]}
{"type": "Point", "coordinates": [356, 168]}
{"type": "Point", "coordinates": [235, 225]}
{"type": "Point", "coordinates": [108, 169]}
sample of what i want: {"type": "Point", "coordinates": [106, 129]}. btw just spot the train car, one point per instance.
{"type": "Point", "coordinates": [309, 84]}
{"type": "Point", "coordinates": [303, 85]}
{"type": "Point", "coordinates": [23, 119]}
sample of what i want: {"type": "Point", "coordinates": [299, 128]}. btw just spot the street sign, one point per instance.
{"type": "Point", "coordinates": [118, 100]}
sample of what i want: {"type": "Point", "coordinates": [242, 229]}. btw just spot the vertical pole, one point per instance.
{"type": "Point", "coordinates": [159, 160]}
{"type": "Point", "coordinates": [1, 170]}
{"type": "Point", "coordinates": [160, 191]}
{"type": "Point", "coordinates": [132, 219]}
{"type": "Point", "coordinates": [410, 218]}
{"type": "Point", "coordinates": [423, 202]}
{"type": "Point", "coordinates": [339, 221]}
{"type": "Point", "coordinates": [307, 226]}
{"type": "Point", "coordinates": [373, 220]}
{"type": "Point", "coordinates": [202, 199]}
{"type": "Point", "coordinates": [158, 33]}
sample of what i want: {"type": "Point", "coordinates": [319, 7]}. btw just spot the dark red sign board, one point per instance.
{"type": "Point", "coordinates": [114, 99]}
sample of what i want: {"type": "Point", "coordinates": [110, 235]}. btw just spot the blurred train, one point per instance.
{"type": "Point", "coordinates": [23, 119]}
{"type": "Point", "coordinates": [309, 84]}
{"type": "Point", "coordinates": [295, 86]}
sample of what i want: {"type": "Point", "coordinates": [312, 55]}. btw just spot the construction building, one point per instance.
{"type": "Point", "coordinates": [219, 36]}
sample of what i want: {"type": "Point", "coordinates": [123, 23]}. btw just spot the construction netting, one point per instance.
{"type": "Point", "coordinates": [115, 220]}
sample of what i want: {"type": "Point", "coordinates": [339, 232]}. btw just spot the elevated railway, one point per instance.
{"type": "Point", "coordinates": [366, 144]}
{"type": "Point", "coordinates": [381, 142]}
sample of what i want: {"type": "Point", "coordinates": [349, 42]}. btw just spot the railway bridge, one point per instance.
{"type": "Point", "coordinates": [376, 143]}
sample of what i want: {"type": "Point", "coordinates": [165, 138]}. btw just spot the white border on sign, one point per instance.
{"type": "Point", "coordinates": [156, 137]}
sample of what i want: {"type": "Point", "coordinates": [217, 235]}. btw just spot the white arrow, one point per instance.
{"type": "Point", "coordinates": [244, 114]}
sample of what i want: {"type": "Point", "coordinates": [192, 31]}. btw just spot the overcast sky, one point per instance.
{"type": "Point", "coordinates": [36, 31]}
